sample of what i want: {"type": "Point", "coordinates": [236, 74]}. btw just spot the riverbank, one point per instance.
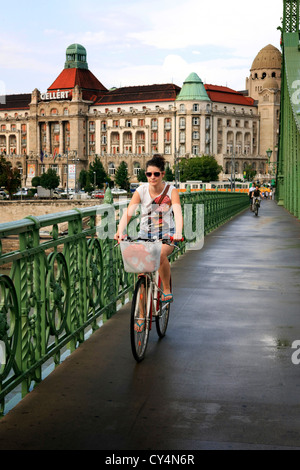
{"type": "Point", "coordinates": [11, 211]}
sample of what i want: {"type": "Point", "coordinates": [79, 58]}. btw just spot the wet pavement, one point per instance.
{"type": "Point", "coordinates": [222, 378]}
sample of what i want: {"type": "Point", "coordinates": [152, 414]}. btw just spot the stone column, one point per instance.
{"type": "Point", "coordinates": [39, 143]}
{"type": "Point", "coordinates": [48, 146]}
{"type": "Point", "coordinates": [61, 138]}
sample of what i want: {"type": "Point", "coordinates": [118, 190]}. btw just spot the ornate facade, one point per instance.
{"type": "Point", "coordinates": [78, 118]}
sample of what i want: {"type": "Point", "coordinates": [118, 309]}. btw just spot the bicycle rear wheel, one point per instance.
{"type": "Point", "coordinates": [140, 319]}
{"type": "Point", "coordinates": [162, 318]}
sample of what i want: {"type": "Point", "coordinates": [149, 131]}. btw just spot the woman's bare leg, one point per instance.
{"type": "Point", "coordinates": [165, 269]}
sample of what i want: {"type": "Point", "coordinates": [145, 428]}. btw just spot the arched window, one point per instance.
{"type": "Point", "coordinates": [136, 168]}
{"type": "Point", "coordinates": [111, 169]}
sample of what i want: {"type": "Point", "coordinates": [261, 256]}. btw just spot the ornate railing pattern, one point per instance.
{"type": "Point", "coordinates": [58, 288]}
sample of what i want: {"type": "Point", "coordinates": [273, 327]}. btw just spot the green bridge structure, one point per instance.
{"type": "Point", "coordinates": [59, 289]}
{"type": "Point", "coordinates": [288, 165]}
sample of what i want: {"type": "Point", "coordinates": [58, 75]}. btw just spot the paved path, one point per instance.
{"type": "Point", "coordinates": [223, 377]}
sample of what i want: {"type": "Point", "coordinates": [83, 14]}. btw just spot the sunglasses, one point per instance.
{"type": "Point", "coordinates": [156, 174]}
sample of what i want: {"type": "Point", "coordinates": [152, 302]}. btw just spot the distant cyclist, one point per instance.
{"type": "Point", "coordinates": [250, 195]}
{"type": "Point", "coordinates": [255, 195]}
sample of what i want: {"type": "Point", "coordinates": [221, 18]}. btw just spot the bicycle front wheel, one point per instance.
{"type": "Point", "coordinates": [162, 318]}
{"type": "Point", "coordinates": [140, 320]}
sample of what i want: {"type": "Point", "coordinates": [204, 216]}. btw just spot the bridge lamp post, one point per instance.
{"type": "Point", "coordinates": [269, 154]}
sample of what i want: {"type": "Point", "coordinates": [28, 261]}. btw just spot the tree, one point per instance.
{"type": "Point", "coordinates": [142, 178]}
{"type": "Point", "coordinates": [121, 177]}
{"type": "Point", "coordinates": [204, 168]}
{"type": "Point", "coordinates": [85, 181]}
{"type": "Point", "coordinates": [88, 187]}
{"type": "Point", "coordinates": [101, 176]}
{"type": "Point", "coordinates": [10, 177]}
{"type": "Point", "coordinates": [82, 178]}
{"type": "Point", "coordinates": [50, 180]}
{"type": "Point", "coordinates": [36, 181]}
{"type": "Point", "coordinates": [249, 173]}
{"type": "Point", "coordinates": [169, 175]}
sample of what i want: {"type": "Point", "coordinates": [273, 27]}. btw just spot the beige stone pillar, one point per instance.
{"type": "Point", "coordinates": [61, 138]}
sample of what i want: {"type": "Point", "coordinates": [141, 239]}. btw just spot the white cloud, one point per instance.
{"type": "Point", "coordinates": [221, 23]}
{"type": "Point", "coordinates": [140, 42]}
{"type": "Point", "coordinates": [175, 69]}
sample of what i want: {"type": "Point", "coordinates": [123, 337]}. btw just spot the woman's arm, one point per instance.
{"type": "Point", "coordinates": [176, 206]}
{"type": "Point", "coordinates": [133, 205]}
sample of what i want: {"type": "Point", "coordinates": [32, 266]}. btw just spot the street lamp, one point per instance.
{"type": "Point", "coordinates": [269, 154]}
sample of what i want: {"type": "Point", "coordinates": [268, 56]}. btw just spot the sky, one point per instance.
{"type": "Point", "coordinates": [135, 42]}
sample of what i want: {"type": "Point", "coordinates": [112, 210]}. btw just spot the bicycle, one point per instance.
{"type": "Point", "coordinates": [147, 306]}
{"type": "Point", "coordinates": [256, 205]}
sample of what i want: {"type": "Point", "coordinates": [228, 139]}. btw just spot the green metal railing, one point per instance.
{"type": "Point", "coordinates": [288, 175]}
{"type": "Point", "coordinates": [56, 289]}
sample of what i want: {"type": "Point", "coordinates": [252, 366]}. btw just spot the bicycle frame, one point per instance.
{"type": "Point", "coordinates": [153, 294]}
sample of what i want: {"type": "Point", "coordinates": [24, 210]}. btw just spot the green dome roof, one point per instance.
{"type": "Point", "coordinates": [76, 49]}
{"type": "Point", "coordinates": [193, 89]}
{"type": "Point", "coordinates": [76, 57]}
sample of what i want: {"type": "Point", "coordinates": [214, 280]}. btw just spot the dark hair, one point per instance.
{"type": "Point", "coordinates": [158, 161]}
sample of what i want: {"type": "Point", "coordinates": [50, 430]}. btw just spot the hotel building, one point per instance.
{"type": "Point", "coordinates": [78, 118]}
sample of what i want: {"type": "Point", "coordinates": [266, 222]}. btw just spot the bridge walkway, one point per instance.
{"type": "Point", "coordinates": [223, 378]}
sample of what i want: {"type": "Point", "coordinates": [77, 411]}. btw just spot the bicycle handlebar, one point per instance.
{"type": "Point", "coordinates": [163, 240]}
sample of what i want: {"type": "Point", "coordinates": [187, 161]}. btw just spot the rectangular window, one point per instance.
{"type": "Point", "coordinates": [168, 124]}
{"type": "Point", "coordinates": [182, 137]}
{"type": "Point", "coordinates": [182, 123]}
{"type": "Point", "coordinates": [154, 124]}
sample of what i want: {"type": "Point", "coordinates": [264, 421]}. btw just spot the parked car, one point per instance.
{"type": "Point", "coordinates": [98, 194]}
{"type": "Point", "coordinates": [3, 194]}
{"type": "Point", "coordinates": [82, 195]}
{"type": "Point", "coordinates": [21, 193]}
{"type": "Point", "coordinates": [65, 194]}
{"type": "Point", "coordinates": [118, 192]}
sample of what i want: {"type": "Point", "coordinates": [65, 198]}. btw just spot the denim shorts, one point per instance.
{"type": "Point", "coordinates": [156, 235]}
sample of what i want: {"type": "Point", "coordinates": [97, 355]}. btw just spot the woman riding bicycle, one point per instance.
{"type": "Point", "coordinates": [161, 216]}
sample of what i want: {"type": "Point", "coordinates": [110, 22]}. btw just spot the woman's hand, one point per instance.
{"type": "Point", "coordinates": [177, 237]}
